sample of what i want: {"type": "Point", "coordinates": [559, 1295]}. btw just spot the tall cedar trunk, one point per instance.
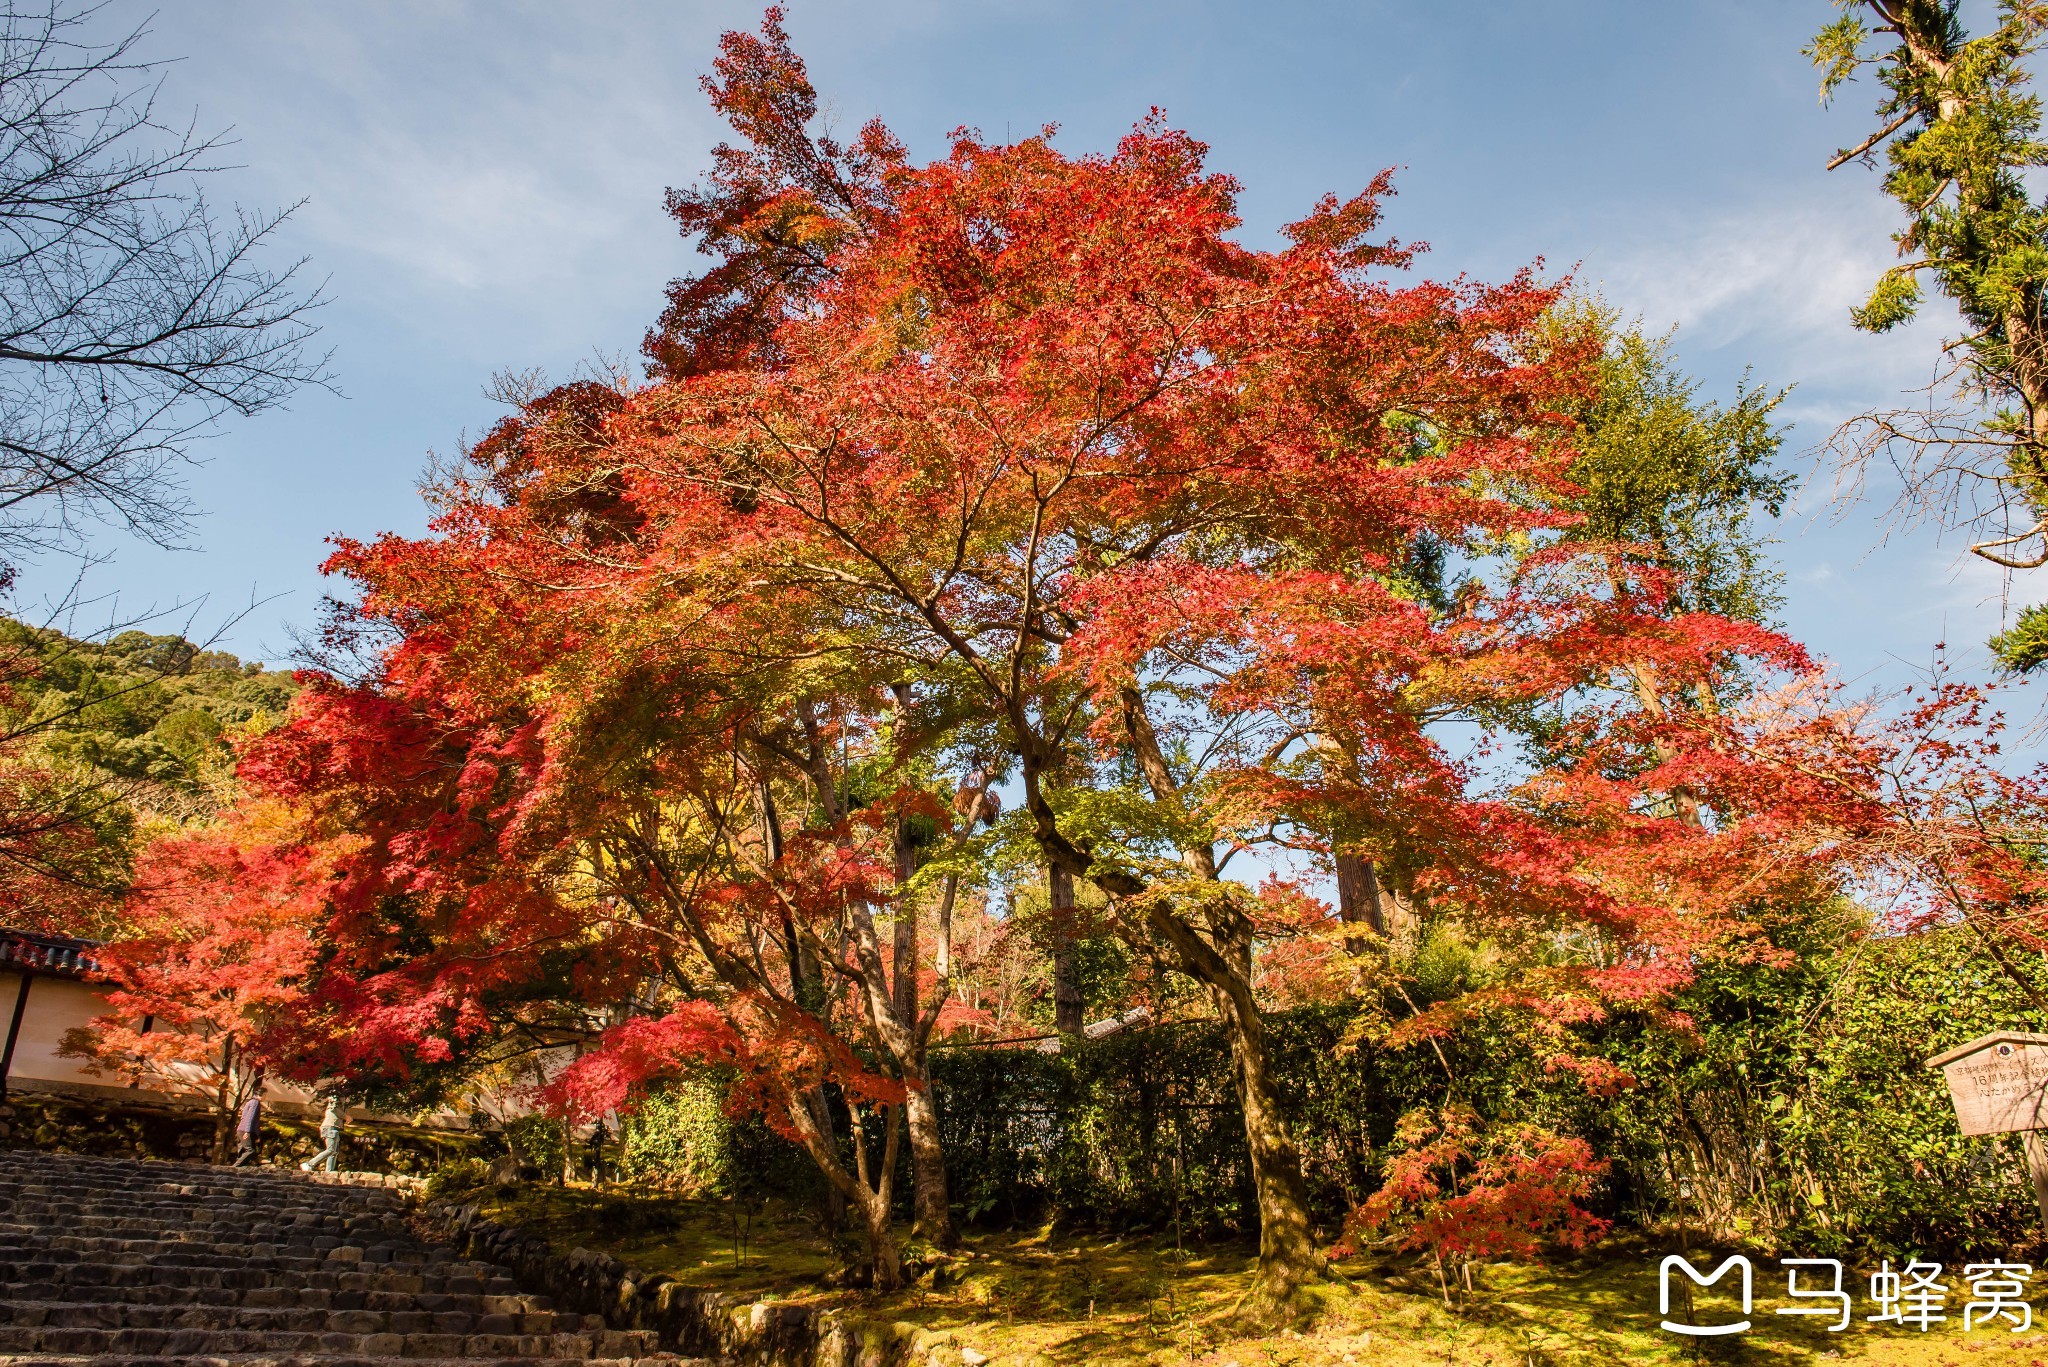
{"type": "Point", "coordinates": [225, 1103]}
{"type": "Point", "coordinates": [1068, 1010]}
{"type": "Point", "coordinates": [1931, 58]}
{"type": "Point", "coordinates": [1357, 902]}
{"type": "Point", "coordinates": [1650, 694]}
{"type": "Point", "coordinates": [1393, 909]}
{"type": "Point", "coordinates": [2028, 343]}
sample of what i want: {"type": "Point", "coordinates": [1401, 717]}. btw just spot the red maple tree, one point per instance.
{"type": "Point", "coordinates": [1018, 467]}
{"type": "Point", "coordinates": [218, 944]}
{"type": "Point", "coordinates": [1030, 458]}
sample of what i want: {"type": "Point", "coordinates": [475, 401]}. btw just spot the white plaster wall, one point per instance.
{"type": "Point", "coordinates": [57, 1005]}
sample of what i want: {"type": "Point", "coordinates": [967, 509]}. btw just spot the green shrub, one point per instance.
{"type": "Point", "coordinates": [680, 1136]}
{"type": "Point", "coordinates": [538, 1141]}
{"type": "Point", "coordinates": [459, 1178]}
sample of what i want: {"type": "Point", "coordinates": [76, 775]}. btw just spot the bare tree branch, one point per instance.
{"type": "Point", "coordinates": [133, 317]}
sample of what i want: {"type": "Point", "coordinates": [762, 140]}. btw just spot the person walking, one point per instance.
{"type": "Point", "coordinates": [332, 1122]}
{"type": "Point", "coordinates": [249, 1125]}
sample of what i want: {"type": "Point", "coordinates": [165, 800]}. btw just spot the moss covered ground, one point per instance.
{"type": "Point", "coordinates": [1043, 1296]}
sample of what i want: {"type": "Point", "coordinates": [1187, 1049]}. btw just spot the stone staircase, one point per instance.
{"type": "Point", "coordinates": [114, 1262]}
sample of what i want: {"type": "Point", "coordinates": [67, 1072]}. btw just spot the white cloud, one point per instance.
{"type": "Point", "coordinates": [1777, 277]}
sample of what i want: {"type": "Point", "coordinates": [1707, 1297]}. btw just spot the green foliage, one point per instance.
{"type": "Point", "coordinates": [139, 706]}
{"type": "Point", "coordinates": [458, 1178]}
{"type": "Point", "coordinates": [104, 745]}
{"type": "Point", "coordinates": [680, 1137]}
{"type": "Point", "coordinates": [1799, 1111]}
{"type": "Point", "coordinates": [1106, 969]}
{"type": "Point", "coordinates": [1893, 300]}
{"type": "Point", "coordinates": [1961, 136]}
{"type": "Point", "coordinates": [1967, 133]}
{"type": "Point", "coordinates": [1683, 478]}
{"type": "Point", "coordinates": [1838, 51]}
{"type": "Point", "coordinates": [537, 1141]}
{"type": "Point", "coordinates": [2023, 645]}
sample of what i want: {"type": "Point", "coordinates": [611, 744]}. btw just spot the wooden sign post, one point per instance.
{"type": "Point", "coordinates": [1999, 1084]}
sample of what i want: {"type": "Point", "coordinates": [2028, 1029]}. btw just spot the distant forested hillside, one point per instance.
{"type": "Point", "coordinates": [105, 745]}
{"type": "Point", "coordinates": [138, 706]}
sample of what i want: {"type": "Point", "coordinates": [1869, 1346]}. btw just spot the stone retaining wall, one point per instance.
{"type": "Point", "coordinates": [690, 1320]}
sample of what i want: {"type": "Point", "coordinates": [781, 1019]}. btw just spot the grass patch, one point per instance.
{"type": "Point", "coordinates": [1036, 1297]}
{"type": "Point", "coordinates": [698, 1242]}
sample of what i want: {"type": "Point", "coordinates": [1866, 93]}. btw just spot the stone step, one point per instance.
{"type": "Point", "coordinates": [184, 1228]}
{"type": "Point", "coordinates": [190, 1211]}
{"type": "Point", "coordinates": [173, 1193]}
{"type": "Point", "coordinates": [198, 1181]}
{"type": "Point", "coordinates": [276, 1298]}
{"type": "Point", "coordinates": [320, 1248]}
{"type": "Point", "coordinates": [155, 1199]}
{"type": "Point", "coordinates": [64, 1314]}
{"type": "Point", "coordinates": [328, 1234]}
{"type": "Point", "coordinates": [183, 1210]}
{"type": "Point", "coordinates": [323, 1360]}
{"type": "Point", "coordinates": [113, 1173]}
{"type": "Point", "coordinates": [116, 1263]}
{"type": "Point", "coordinates": [171, 1257]}
{"type": "Point", "coordinates": [208, 1213]}
{"type": "Point", "coordinates": [20, 1339]}
{"type": "Point", "coordinates": [421, 1276]}
{"type": "Point", "coordinates": [179, 1206]}
{"type": "Point", "coordinates": [381, 1246]}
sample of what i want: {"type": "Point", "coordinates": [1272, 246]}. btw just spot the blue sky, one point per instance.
{"type": "Point", "coordinates": [484, 184]}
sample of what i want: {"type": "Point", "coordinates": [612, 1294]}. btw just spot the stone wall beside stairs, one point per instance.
{"type": "Point", "coordinates": [689, 1320]}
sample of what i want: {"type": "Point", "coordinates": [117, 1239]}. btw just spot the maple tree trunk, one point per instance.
{"type": "Point", "coordinates": [900, 1035]}
{"type": "Point", "coordinates": [1067, 1007]}
{"type": "Point", "coordinates": [867, 1189]}
{"type": "Point", "coordinates": [934, 1220]}
{"type": "Point", "coordinates": [1222, 959]}
{"type": "Point", "coordinates": [885, 1260]}
{"type": "Point", "coordinates": [1288, 1258]}
{"type": "Point", "coordinates": [820, 1108]}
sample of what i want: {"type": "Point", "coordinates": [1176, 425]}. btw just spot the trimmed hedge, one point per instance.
{"type": "Point", "coordinates": [1790, 1107]}
{"type": "Point", "coordinates": [1785, 1104]}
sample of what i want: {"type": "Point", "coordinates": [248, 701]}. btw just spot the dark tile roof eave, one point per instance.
{"type": "Point", "coordinates": [59, 956]}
